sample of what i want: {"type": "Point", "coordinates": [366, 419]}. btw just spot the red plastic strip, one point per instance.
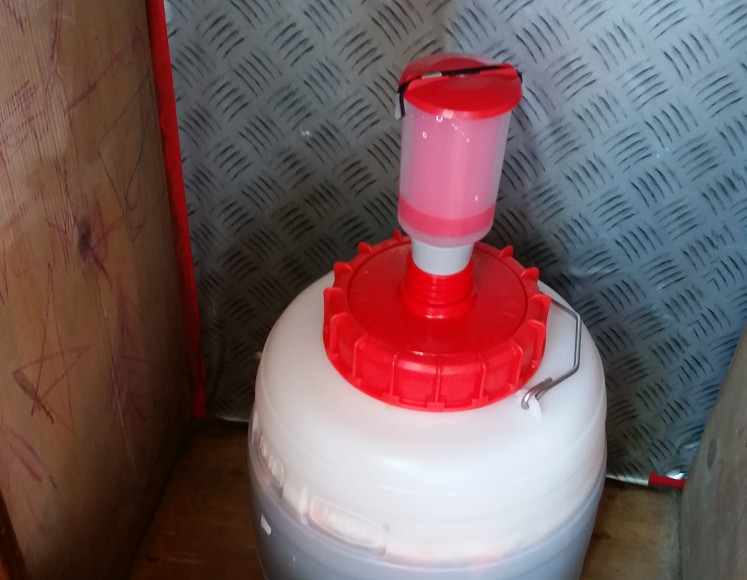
{"type": "Point", "coordinates": [443, 226]}
{"type": "Point", "coordinates": [656, 479]}
{"type": "Point", "coordinates": [164, 84]}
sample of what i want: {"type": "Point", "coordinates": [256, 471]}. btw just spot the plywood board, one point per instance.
{"type": "Point", "coordinates": [93, 377]}
{"type": "Point", "coordinates": [714, 504]}
{"type": "Point", "coordinates": [636, 535]}
{"type": "Point", "coordinates": [203, 527]}
{"type": "Point", "coordinates": [11, 562]}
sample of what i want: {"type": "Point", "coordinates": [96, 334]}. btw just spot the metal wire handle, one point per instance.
{"type": "Point", "coordinates": [542, 387]}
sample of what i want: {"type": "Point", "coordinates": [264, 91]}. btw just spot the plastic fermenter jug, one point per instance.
{"type": "Point", "coordinates": [430, 409]}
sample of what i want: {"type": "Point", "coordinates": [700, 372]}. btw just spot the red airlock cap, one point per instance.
{"type": "Point", "coordinates": [434, 343]}
{"type": "Point", "coordinates": [462, 86]}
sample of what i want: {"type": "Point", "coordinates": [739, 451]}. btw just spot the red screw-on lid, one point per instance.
{"type": "Point", "coordinates": [435, 343]}
{"type": "Point", "coordinates": [458, 85]}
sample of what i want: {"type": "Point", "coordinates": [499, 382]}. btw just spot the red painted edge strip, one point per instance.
{"type": "Point", "coordinates": [166, 101]}
{"type": "Point", "coordinates": [656, 479]}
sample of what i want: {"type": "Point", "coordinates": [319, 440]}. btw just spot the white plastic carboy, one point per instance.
{"type": "Point", "coordinates": [430, 409]}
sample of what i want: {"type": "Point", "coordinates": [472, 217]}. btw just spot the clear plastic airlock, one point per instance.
{"type": "Point", "coordinates": [456, 112]}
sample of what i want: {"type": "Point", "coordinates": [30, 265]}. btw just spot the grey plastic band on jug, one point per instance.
{"type": "Point", "coordinates": [291, 549]}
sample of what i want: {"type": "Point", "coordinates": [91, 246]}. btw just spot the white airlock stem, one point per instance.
{"type": "Point", "coordinates": [440, 261]}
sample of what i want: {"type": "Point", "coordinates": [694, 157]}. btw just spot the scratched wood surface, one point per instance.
{"type": "Point", "coordinates": [93, 383]}
{"type": "Point", "coordinates": [714, 504]}
{"type": "Point", "coordinates": [11, 561]}
{"type": "Point", "coordinates": [203, 526]}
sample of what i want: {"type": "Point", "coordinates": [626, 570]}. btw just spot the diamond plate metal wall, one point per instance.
{"type": "Point", "coordinates": [625, 178]}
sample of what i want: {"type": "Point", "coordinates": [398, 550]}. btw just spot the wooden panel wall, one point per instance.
{"type": "Point", "coordinates": [714, 503]}
{"type": "Point", "coordinates": [93, 379]}
{"type": "Point", "coordinates": [11, 562]}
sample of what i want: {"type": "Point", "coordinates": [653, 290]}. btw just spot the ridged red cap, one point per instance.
{"type": "Point", "coordinates": [434, 343]}
{"type": "Point", "coordinates": [483, 94]}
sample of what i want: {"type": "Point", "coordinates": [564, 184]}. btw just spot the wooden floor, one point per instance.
{"type": "Point", "coordinates": [203, 526]}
